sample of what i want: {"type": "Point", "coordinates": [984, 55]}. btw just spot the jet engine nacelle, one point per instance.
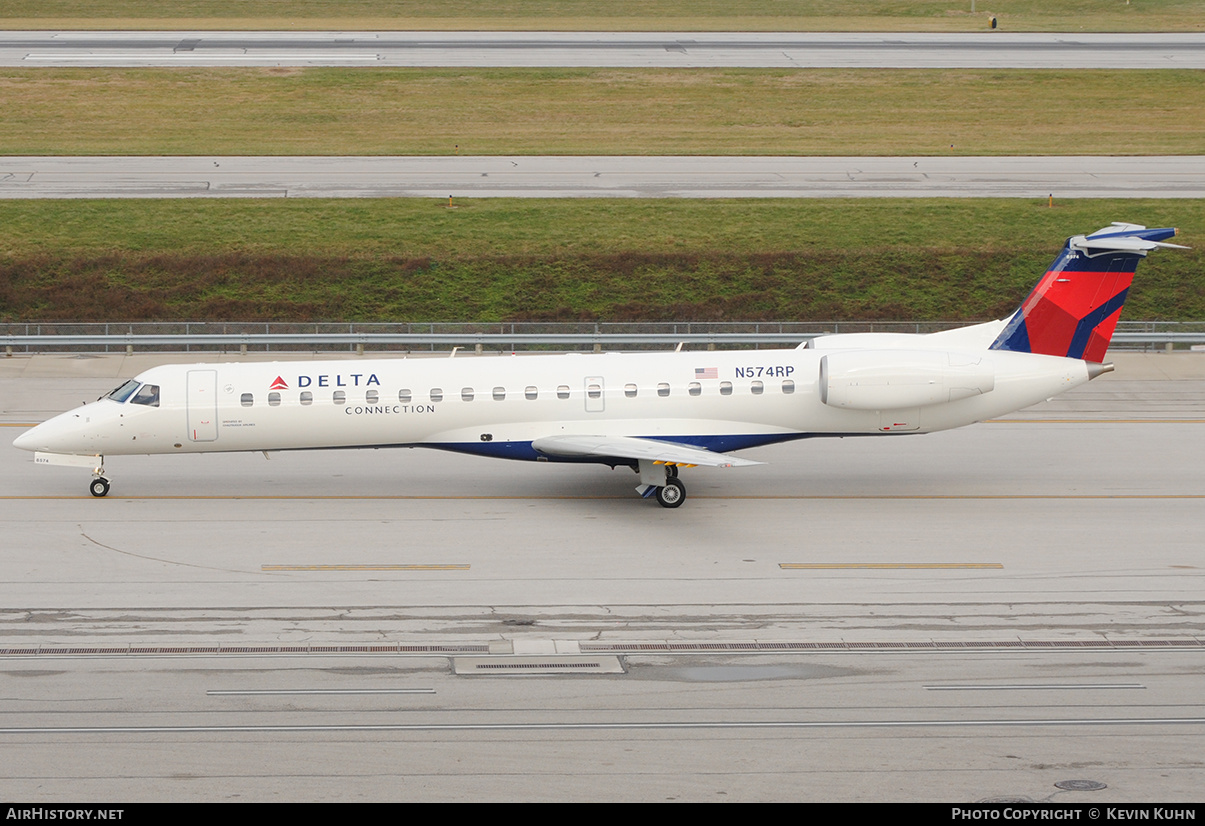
{"type": "Point", "coordinates": [891, 379]}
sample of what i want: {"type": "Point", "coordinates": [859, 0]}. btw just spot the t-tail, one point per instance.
{"type": "Point", "coordinates": [1074, 309]}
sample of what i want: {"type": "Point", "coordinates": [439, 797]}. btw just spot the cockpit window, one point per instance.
{"type": "Point", "coordinates": [124, 392]}
{"type": "Point", "coordinates": [148, 394]}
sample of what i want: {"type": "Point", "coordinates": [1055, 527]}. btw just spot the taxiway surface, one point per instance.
{"type": "Point", "coordinates": [990, 610]}
{"type": "Point", "coordinates": [986, 50]}
{"type": "Point", "coordinates": [602, 176]}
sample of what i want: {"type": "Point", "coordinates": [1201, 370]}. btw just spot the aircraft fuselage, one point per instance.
{"type": "Point", "coordinates": [498, 406]}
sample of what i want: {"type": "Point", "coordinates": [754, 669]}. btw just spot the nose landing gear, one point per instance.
{"type": "Point", "coordinates": [99, 485]}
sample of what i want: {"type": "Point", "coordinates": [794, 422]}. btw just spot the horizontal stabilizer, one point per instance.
{"type": "Point", "coordinates": [1122, 237]}
{"type": "Point", "coordinates": [1122, 244]}
{"type": "Point", "coordinates": [632, 447]}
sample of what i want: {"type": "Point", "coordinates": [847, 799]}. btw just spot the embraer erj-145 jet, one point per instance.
{"type": "Point", "coordinates": [652, 412]}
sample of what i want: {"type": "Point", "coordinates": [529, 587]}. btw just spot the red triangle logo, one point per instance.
{"type": "Point", "coordinates": [279, 384]}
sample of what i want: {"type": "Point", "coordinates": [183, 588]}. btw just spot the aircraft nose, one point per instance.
{"type": "Point", "coordinates": [26, 440]}
{"type": "Point", "coordinates": [57, 435]}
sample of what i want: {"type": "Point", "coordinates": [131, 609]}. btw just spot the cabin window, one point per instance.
{"type": "Point", "coordinates": [788, 386]}
{"type": "Point", "coordinates": [404, 396]}
{"type": "Point", "coordinates": [499, 394]}
{"type": "Point", "coordinates": [662, 389]}
{"type": "Point", "coordinates": [273, 400]}
{"type": "Point", "coordinates": [307, 397]}
{"type": "Point", "coordinates": [247, 399]}
{"type": "Point", "coordinates": [125, 391]}
{"type": "Point", "coordinates": [629, 390]}
{"type": "Point", "coordinates": [340, 397]}
{"type": "Point", "coordinates": [594, 391]}
{"type": "Point", "coordinates": [466, 394]}
{"type": "Point", "coordinates": [725, 388]}
{"type": "Point", "coordinates": [756, 388]}
{"type": "Point", "coordinates": [562, 392]}
{"type": "Point", "coordinates": [148, 394]}
{"type": "Point", "coordinates": [372, 397]}
{"type": "Point", "coordinates": [694, 388]}
{"type": "Point", "coordinates": [531, 393]}
{"type": "Point", "coordinates": [437, 394]}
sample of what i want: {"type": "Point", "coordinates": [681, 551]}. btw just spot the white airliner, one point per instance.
{"type": "Point", "coordinates": [653, 412]}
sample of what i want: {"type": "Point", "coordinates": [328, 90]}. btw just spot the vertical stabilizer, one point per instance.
{"type": "Point", "coordinates": [1074, 308]}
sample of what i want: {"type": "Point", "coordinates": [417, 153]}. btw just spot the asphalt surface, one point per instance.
{"type": "Point", "coordinates": [590, 176]}
{"type": "Point", "coordinates": [968, 616]}
{"type": "Point", "coordinates": [653, 49]}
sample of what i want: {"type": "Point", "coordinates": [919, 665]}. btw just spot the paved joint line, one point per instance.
{"type": "Point", "coordinates": [795, 566]}
{"type": "Point", "coordinates": [628, 725]}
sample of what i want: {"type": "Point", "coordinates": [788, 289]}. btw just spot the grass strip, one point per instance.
{"type": "Point", "coordinates": [516, 260]}
{"type": "Point", "coordinates": [616, 15]}
{"type": "Point", "coordinates": [600, 112]}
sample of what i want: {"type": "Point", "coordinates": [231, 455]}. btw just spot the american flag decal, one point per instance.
{"type": "Point", "coordinates": [706, 373]}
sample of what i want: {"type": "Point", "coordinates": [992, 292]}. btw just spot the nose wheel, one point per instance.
{"type": "Point", "coordinates": [99, 486]}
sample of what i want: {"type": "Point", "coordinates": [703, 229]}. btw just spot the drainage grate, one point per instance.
{"type": "Point", "coordinates": [529, 666]}
{"type": "Point", "coordinates": [1080, 785]}
{"type": "Point", "coordinates": [502, 665]}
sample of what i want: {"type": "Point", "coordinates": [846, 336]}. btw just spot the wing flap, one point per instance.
{"type": "Point", "coordinates": [633, 447]}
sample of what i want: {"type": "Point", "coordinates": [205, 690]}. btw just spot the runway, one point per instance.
{"type": "Point", "coordinates": [609, 177]}
{"type": "Point", "coordinates": [988, 50]}
{"type": "Point", "coordinates": [989, 611]}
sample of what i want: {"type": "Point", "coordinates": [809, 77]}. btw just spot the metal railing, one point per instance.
{"type": "Point", "coordinates": [222, 337]}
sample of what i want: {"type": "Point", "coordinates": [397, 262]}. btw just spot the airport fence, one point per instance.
{"type": "Point", "coordinates": [226, 338]}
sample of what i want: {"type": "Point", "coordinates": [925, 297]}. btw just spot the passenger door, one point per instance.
{"type": "Point", "coordinates": [202, 405]}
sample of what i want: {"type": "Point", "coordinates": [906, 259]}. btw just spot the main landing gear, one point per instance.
{"type": "Point", "coordinates": [672, 493]}
{"type": "Point", "coordinates": [661, 481]}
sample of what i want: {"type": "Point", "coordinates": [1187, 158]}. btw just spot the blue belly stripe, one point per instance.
{"type": "Point", "coordinates": [524, 451]}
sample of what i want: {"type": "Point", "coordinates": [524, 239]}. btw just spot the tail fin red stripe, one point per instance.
{"type": "Point", "coordinates": [1074, 309]}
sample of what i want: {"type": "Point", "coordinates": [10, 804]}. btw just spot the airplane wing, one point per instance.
{"type": "Point", "coordinates": [632, 447]}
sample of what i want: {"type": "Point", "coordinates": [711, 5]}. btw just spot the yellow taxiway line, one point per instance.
{"type": "Point", "coordinates": [1094, 421]}
{"type": "Point", "coordinates": [28, 425]}
{"type": "Point", "coordinates": [453, 567]}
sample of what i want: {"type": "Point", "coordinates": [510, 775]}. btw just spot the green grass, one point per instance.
{"type": "Point", "coordinates": [599, 111]}
{"type": "Point", "coordinates": [620, 15]}
{"type": "Point", "coordinates": [513, 260]}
